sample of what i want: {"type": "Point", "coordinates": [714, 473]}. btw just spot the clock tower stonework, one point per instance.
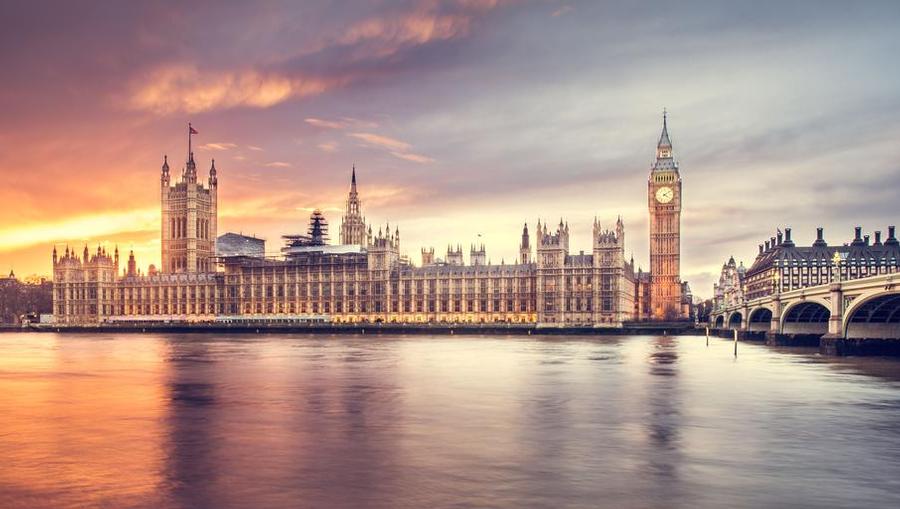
{"type": "Point", "coordinates": [664, 200]}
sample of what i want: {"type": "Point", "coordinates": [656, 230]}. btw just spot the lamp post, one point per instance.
{"type": "Point", "coordinates": [839, 258]}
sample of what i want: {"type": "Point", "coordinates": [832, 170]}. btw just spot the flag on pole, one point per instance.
{"type": "Point", "coordinates": [193, 131]}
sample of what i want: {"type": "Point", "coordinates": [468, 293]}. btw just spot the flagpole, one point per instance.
{"type": "Point", "coordinates": [189, 141]}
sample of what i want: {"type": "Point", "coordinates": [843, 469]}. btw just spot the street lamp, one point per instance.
{"type": "Point", "coordinates": [838, 259]}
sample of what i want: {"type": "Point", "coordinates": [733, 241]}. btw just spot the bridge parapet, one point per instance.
{"type": "Point", "coordinates": [863, 307]}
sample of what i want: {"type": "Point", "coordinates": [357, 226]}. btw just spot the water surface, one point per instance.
{"type": "Point", "coordinates": [448, 421]}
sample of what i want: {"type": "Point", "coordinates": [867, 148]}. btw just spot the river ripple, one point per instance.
{"type": "Point", "coordinates": [446, 421]}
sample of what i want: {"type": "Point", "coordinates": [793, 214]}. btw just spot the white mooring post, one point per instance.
{"type": "Point", "coordinates": [735, 342]}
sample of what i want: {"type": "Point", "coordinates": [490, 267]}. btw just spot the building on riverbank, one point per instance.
{"type": "Point", "coordinates": [366, 279]}
{"type": "Point", "coordinates": [782, 266]}
{"type": "Point", "coordinates": [238, 244]}
{"type": "Point", "coordinates": [729, 289]}
{"type": "Point", "coordinates": [352, 283]}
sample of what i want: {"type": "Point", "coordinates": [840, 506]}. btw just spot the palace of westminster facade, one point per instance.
{"type": "Point", "coordinates": [365, 278]}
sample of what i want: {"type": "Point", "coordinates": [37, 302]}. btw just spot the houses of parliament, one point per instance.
{"type": "Point", "coordinates": [366, 279]}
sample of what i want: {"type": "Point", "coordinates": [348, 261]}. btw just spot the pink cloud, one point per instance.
{"type": "Point", "coordinates": [217, 146]}
{"type": "Point", "coordinates": [378, 140]}
{"type": "Point", "coordinates": [184, 88]}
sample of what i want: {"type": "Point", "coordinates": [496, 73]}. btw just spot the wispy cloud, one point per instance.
{"type": "Point", "coordinates": [416, 158]}
{"type": "Point", "coordinates": [378, 140]}
{"type": "Point", "coordinates": [327, 124]}
{"type": "Point", "coordinates": [217, 146]}
{"type": "Point", "coordinates": [563, 10]}
{"type": "Point", "coordinates": [255, 148]}
{"type": "Point", "coordinates": [330, 146]}
{"type": "Point", "coordinates": [278, 164]}
{"type": "Point", "coordinates": [397, 148]}
{"type": "Point", "coordinates": [387, 35]}
{"type": "Point", "coordinates": [342, 123]}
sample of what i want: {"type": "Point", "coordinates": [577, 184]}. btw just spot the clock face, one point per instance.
{"type": "Point", "coordinates": [664, 194]}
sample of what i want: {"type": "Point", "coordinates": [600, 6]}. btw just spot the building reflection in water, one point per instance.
{"type": "Point", "coordinates": [194, 471]}
{"type": "Point", "coordinates": [663, 418]}
{"type": "Point", "coordinates": [403, 422]}
{"type": "Point", "coordinates": [69, 437]}
{"type": "Point", "coordinates": [264, 424]}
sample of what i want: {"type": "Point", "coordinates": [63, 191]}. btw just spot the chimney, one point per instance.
{"type": "Point", "coordinates": [772, 242]}
{"type": "Point", "coordinates": [820, 240]}
{"type": "Point", "coordinates": [779, 236]}
{"type": "Point", "coordinates": [787, 238]}
{"type": "Point", "coordinates": [760, 249]}
{"type": "Point", "coordinates": [891, 240]}
{"type": "Point", "coordinates": [877, 237]}
{"type": "Point", "coordinates": [767, 245]}
{"type": "Point", "coordinates": [866, 239]}
{"type": "Point", "coordinates": [857, 236]}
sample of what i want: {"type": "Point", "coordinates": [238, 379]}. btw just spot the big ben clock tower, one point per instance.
{"type": "Point", "coordinates": [664, 199]}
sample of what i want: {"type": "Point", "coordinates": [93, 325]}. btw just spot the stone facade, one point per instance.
{"type": "Point", "coordinates": [366, 279]}
{"type": "Point", "coordinates": [189, 217]}
{"type": "Point", "coordinates": [370, 283]}
{"type": "Point", "coordinates": [729, 290]}
{"type": "Point", "coordinates": [782, 266]}
{"type": "Point", "coordinates": [664, 202]}
{"type": "Point", "coordinates": [353, 226]}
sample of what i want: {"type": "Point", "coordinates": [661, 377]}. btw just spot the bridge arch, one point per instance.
{"type": "Point", "coordinates": [760, 319]}
{"type": "Point", "coordinates": [805, 317]}
{"type": "Point", "coordinates": [873, 315]}
{"type": "Point", "coordinates": [735, 319]}
{"type": "Point", "coordinates": [720, 322]}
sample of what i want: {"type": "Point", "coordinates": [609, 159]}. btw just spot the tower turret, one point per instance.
{"type": "Point", "coordinates": [132, 264]}
{"type": "Point", "coordinates": [190, 172]}
{"type": "Point", "coordinates": [164, 174]}
{"type": "Point", "coordinates": [525, 246]}
{"type": "Point", "coordinates": [353, 224]}
{"type": "Point", "coordinates": [213, 175]}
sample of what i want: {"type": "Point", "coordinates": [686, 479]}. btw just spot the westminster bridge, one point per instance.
{"type": "Point", "coordinates": [843, 317]}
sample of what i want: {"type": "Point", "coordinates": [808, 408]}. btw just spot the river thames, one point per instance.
{"type": "Point", "coordinates": [433, 422]}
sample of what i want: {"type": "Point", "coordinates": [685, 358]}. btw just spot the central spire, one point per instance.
{"type": "Point", "coordinates": [664, 136]}
{"type": "Point", "coordinates": [664, 158]}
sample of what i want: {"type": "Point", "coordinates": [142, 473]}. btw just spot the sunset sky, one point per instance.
{"type": "Point", "coordinates": [463, 117]}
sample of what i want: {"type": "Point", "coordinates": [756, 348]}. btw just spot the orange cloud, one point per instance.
{"type": "Point", "coordinates": [395, 33]}
{"type": "Point", "coordinates": [183, 88]}
{"type": "Point", "coordinates": [95, 225]}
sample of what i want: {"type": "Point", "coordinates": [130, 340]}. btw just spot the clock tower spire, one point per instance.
{"type": "Point", "coordinates": [664, 201]}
